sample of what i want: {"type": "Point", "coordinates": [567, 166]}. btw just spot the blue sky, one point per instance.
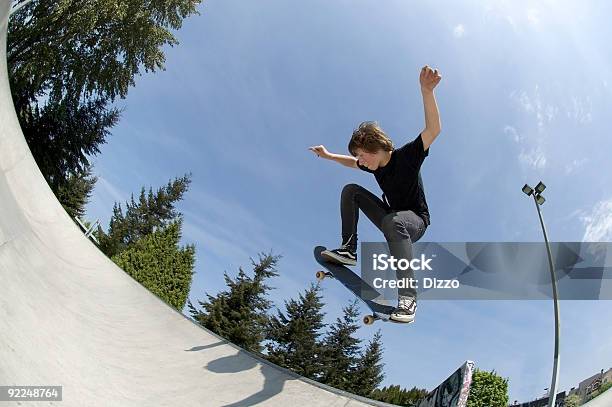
{"type": "Point", "coordinates": [525, 96]}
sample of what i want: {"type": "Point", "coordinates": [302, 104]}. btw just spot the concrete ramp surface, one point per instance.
{"type": "Point", "coordinates": [70, 317]}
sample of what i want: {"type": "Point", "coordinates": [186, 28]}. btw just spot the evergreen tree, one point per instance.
{"type": "Point", "coordinates": [395, 395]}
{"type": "Point", "coordinates": [97, 46]}
{"type": "Point", "coordinates": [158, 263]}
{"type": "Point", "coordinates": [239, 313]}
{"type": "Point", "coordinates": [341, 350]}
{"type": "Point", "coordinates": [67, 61]}
{"type": "Point", "coordinates": [61, 135]}
{"type": "Point", "coordinates": [488, 389]}
{"type": "Point", "coordinates": [144, 242]}
{"type": "Point", "coordinates": [294, 334]}
{"type": "Point", "coordinates": [76, 191]}
{"type": "Point", "coordinates": [152, 211]}
{"type": "Point", "coordinates": [369, 371]}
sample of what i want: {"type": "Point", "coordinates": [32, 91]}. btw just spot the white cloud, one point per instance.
{"type": "Point", "coordinates": [513, 133]}
{"type": "Point", "coordinates": [532, 153]}
{"type": "Point", "coordinates": [518, 16]}
{"type": "Point", "coordinates": [532, 104]}
{"type": "Point", "coordinates": [534, 158]}
{"type": "Point", "coordinates": [511, 22]}
{"type": "Point", "coordinates": [109, 190]}
{"type": "Point", "coordinates": [574, 165]}
{"type": "Point", "coordinates": [598, 223]}
{"type": "Point", "coordinates": [580, 110]}
{"type": "Point", "coordinates": [225, 223]}
{"type": "Point", "coordinates": [459, 31]}
{"type": "Point", "coordinates": [533, 16]}
{"type": "Point", "coordinates": [214, 244]}
{"type": "Point", "coordinates": [576, 108]}
{"type": "Point", "coordinates": [550, 112]}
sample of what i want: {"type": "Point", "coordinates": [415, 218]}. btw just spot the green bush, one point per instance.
{"type": "Point", "coordinates": [488, 390]}
{"type": "Point", "coordinates": [157, 262]}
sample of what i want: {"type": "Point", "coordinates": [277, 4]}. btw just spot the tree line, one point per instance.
{"type": "Point", "coordinates": [68, 61]}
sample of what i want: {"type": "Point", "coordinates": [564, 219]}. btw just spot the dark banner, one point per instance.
{"type": "Point", "coordinates": [489, 270]}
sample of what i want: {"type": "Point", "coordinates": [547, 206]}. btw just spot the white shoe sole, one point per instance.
{"type": "Point", "coordinates": [338, 259]}
{"type": "Point", "coordinates": [405, 319]}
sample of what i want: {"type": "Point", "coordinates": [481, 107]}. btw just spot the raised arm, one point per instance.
{"type": "Point", "coordinates": [346, 160]}
{"type": "Point", "coordinates": [429, 79]}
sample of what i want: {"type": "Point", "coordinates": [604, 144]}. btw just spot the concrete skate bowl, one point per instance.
{"type": "Point", "coordinates": [70, 317]}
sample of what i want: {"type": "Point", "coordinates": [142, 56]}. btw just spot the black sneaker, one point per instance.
{"type": "Point", "coordinates": [405, 311]}
{"type": "Point", "coordinates": [345, 254]}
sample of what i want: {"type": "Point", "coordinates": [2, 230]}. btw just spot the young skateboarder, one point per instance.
{"type": "Point", "coordinates": [402, 215]}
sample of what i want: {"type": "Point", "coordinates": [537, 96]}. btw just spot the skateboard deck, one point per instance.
{"type": "Point", "coordinates": [361, 289]}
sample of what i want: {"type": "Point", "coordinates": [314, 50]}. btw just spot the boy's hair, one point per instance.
{"type": "Point", "coordinates": [369, 137]}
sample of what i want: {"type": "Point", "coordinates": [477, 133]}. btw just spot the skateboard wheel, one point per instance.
{"type": "Point", "coordinates": [321, 275]}
{"type": "Point", "coordinates": [369, 319]}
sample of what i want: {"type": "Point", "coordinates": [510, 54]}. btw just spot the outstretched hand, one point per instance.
{"type": "Point", "coordinates": [320, 151]}
{"type": "Point", "coordinates": [429, 78]}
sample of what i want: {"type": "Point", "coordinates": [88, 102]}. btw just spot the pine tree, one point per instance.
{"type": "Point", "coordinates": [399, 396]}
{"type": "Point", "coordinates": [294, 334]}
{"type": "Point", "coordinates": [145, 243]}
{"type": "Point", "coordinates": [152, 211]}
{"type": "Point", "coordinates": [239, 313]}
{"type": "Point", "coordinates": [61, 135]}
{"type": "Point", "coordinates": [68, 60]}
{"type": "Point", "coordinates": [76, 191]}
{"type": "Point", "coordinates": [158, 263]}
{"type": "Point", "coordinates": [90, 47]}
{"type": "Point", "coordinates": [341, 350]}
{"type": "Point", "coordinates": [369, 371]}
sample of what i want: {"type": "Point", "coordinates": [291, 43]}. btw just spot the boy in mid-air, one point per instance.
{"type": "Point", "coordinates": [402, 215]}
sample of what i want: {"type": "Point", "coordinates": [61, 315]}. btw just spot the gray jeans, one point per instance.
{"type": "Point", "coordinates": [400, 228]}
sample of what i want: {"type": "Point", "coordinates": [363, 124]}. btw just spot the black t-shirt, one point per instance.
{"type": "Point", "coordinates": [400, 180]}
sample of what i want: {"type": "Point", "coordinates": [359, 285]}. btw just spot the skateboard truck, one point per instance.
{"type": "Point", "coordinates": [356, 285]}
{"type": "Point", "coordinates": [369, 319]}
{"type": "Point", "coordinates": [322, 274]}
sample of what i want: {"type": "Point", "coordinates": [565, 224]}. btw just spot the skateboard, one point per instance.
{"type": "Point", "coordinates": [361, 289]}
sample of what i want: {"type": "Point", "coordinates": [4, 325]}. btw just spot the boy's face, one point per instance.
{"type": "Point", "coordinates": [369, 160]}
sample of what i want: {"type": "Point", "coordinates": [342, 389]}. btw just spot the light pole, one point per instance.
{"type": "Point", "coordinates": [539, 200]}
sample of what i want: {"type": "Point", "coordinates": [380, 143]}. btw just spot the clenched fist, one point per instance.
{"type": "Point", "coordinates": [429, 78]}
